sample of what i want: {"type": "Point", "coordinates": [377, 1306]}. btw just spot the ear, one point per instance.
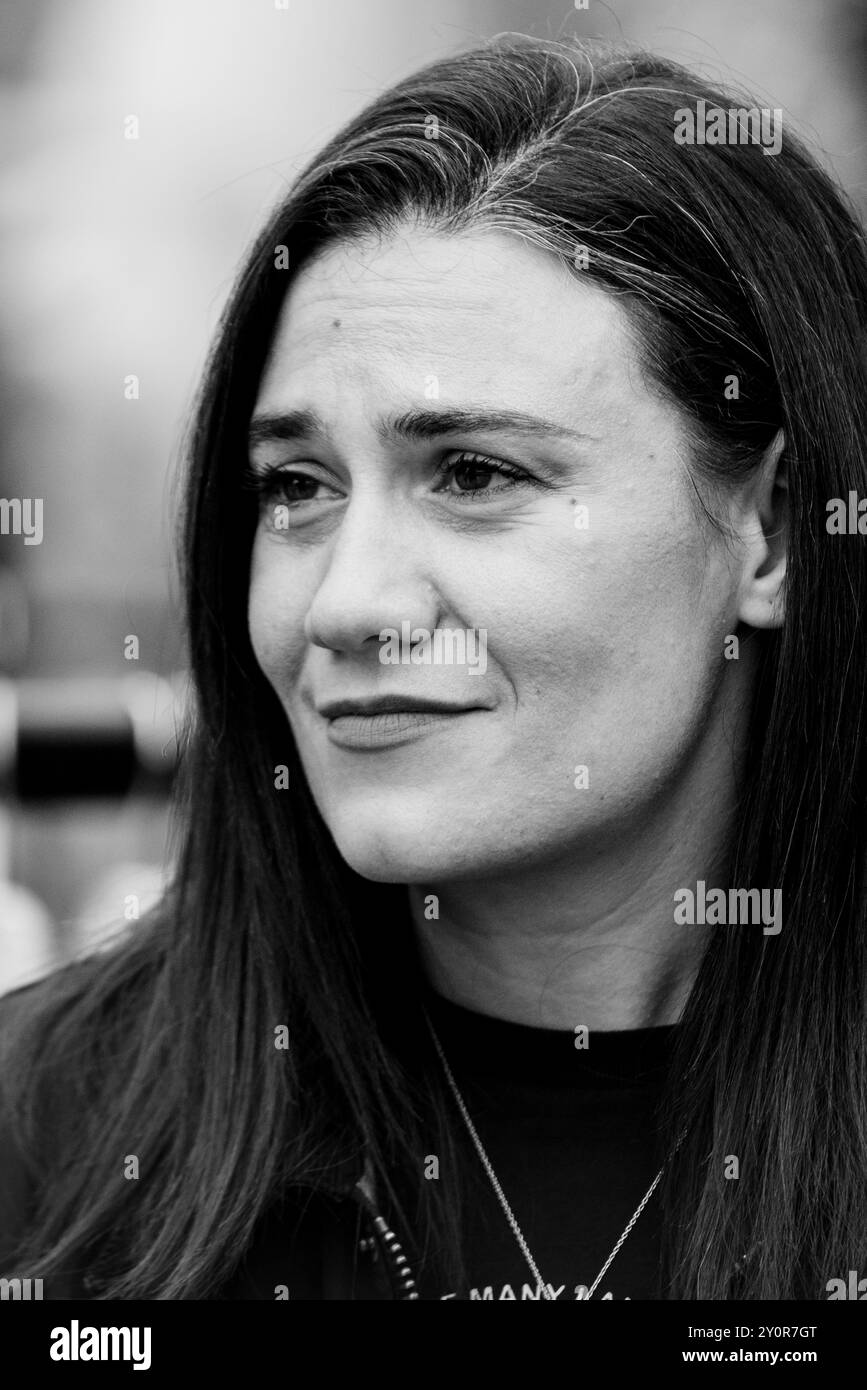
{"type": "Point", "coordinates": [764, 528]}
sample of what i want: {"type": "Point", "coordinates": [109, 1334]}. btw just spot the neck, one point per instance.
{"type": "Point", "coordinates": [588, 939]}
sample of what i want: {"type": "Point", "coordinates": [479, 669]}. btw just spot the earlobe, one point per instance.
{"type": "Point", "coordinates": [763, 610]}
{"type": "Point", "coordinates": [766, 532]}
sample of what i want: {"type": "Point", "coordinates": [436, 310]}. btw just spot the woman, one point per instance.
{"type": "Point", "coordinates": [516, 948]}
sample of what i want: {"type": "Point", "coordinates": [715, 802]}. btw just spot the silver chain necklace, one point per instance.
{"type": "Point", "coordinates": [510, 1215]}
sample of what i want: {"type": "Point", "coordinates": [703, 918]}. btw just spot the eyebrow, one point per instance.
{"type": "Point", "coordinates": [415, 424]}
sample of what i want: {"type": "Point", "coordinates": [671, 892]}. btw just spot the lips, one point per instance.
{"type": "Point", "coordinates": [389, 704]}
{"type": "Point", "coordinates": [383, 721]}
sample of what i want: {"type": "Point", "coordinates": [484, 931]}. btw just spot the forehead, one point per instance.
{"type": "Point", "coordinates": [483, 312]}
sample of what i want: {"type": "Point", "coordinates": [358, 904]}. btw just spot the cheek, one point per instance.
{"type": "Point", "coordinates": [275, 615]}
{"type": "Point", "coordinates": [613, 637]}
{"type": "Point", "coordinates": [664, 613]}
{"type": "Point", "coordinates": [660, 622]}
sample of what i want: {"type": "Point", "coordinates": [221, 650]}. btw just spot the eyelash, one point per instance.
{"type": "Point", "coordinates": [493, 466]}
{"type": "Point", "coordinates": [267, 482]}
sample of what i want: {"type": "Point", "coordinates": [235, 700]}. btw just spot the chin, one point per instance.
{"type": "Point", "coordinates": [398, 848]}
{"type": "Point", "coordinates": [398, 853]}
{"type": "Point", "coordinates": [384, 857]}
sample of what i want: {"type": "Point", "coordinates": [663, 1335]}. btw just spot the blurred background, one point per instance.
{"type": "Point", "coordinates": [142, 144]}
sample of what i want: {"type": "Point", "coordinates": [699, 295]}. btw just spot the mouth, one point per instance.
{"type": "Point", "coordinates": [389, 704]}
{"type": "Point", "coordinates": [386, 720]}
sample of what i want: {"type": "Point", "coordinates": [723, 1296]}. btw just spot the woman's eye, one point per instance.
{"type": "Point", "coordinates": [466, 476]}
{"type": "Point", "coordinates": [293, 487]}
{"type": "Point", "coordinates": [285, 486]}
{"type": "Point", "coordinates": [473, 474]}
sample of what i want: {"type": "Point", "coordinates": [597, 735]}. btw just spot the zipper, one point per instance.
{"type": "Point", "coordinates": [401, 1277]}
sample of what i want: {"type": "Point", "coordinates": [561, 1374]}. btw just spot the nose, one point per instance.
{"type": "Point", "coordinates": [377, 575]}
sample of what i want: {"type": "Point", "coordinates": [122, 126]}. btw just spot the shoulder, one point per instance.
{"type": "Point", "coordinates": [18, 1006]}
{"type": "Point", "coordinates": [20, 1011]}
{"type": "Point", "coordinates": [47, 1030]}
{"type": "Point", "coordinates": [18, 1168]}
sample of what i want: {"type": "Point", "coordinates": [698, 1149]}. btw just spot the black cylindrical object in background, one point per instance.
{"type": "Point", "coordinates": [88, 737]}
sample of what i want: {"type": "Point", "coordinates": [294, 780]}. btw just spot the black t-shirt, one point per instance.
{"type": "Point", "coordinates": [571, 1135]}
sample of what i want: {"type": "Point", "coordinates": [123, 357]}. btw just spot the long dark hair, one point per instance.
{"type": "Point", "coordinates": [730, 261]}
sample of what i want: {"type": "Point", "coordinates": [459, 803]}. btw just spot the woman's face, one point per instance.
{"type": "Point", "coordinates": [588, 604]}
